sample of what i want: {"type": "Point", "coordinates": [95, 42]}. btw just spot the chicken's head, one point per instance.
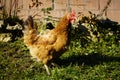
{"type": "Point", "coordinates": [72, 16]}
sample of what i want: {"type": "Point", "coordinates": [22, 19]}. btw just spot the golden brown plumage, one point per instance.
{"type": "Point", "coordinates": [49, 45]}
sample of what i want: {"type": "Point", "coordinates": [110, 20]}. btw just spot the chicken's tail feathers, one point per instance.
{"type": "Point", "coordinates": [29, 22]}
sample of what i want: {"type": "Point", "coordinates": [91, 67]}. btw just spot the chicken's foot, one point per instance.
{"type": "Point", "coordinates": [54, 64]}
{"type": "Point", "coordinates": [47, 70]}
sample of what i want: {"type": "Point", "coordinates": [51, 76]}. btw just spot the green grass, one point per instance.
{"type": "Point", "coordinates": [84, 59]}
{"type": "Point", "coordinates": [96, 61]}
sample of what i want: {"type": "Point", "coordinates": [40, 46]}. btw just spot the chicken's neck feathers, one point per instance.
{"type": "Point", "coordinates": [63, 25]}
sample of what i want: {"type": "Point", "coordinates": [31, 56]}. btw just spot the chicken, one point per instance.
{"type": "Point", "coordinates": [50, 45]}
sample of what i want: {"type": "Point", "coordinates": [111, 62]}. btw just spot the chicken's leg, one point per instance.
{"type": "Point", "coordinates": [46, 67]}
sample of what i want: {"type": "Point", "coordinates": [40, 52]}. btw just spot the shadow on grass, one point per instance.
{"type": "Point", "coordinates": [90, 60]}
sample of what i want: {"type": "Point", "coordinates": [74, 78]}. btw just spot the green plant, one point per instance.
{"type": "Point", "coordinates": [46, 12]}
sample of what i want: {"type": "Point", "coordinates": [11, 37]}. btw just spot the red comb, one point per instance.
{"type": "Point", "coordinates": [73, 13]}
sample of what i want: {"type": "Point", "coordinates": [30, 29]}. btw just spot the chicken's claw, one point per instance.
{"type": "Point", "coordinates": [47, 70]}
